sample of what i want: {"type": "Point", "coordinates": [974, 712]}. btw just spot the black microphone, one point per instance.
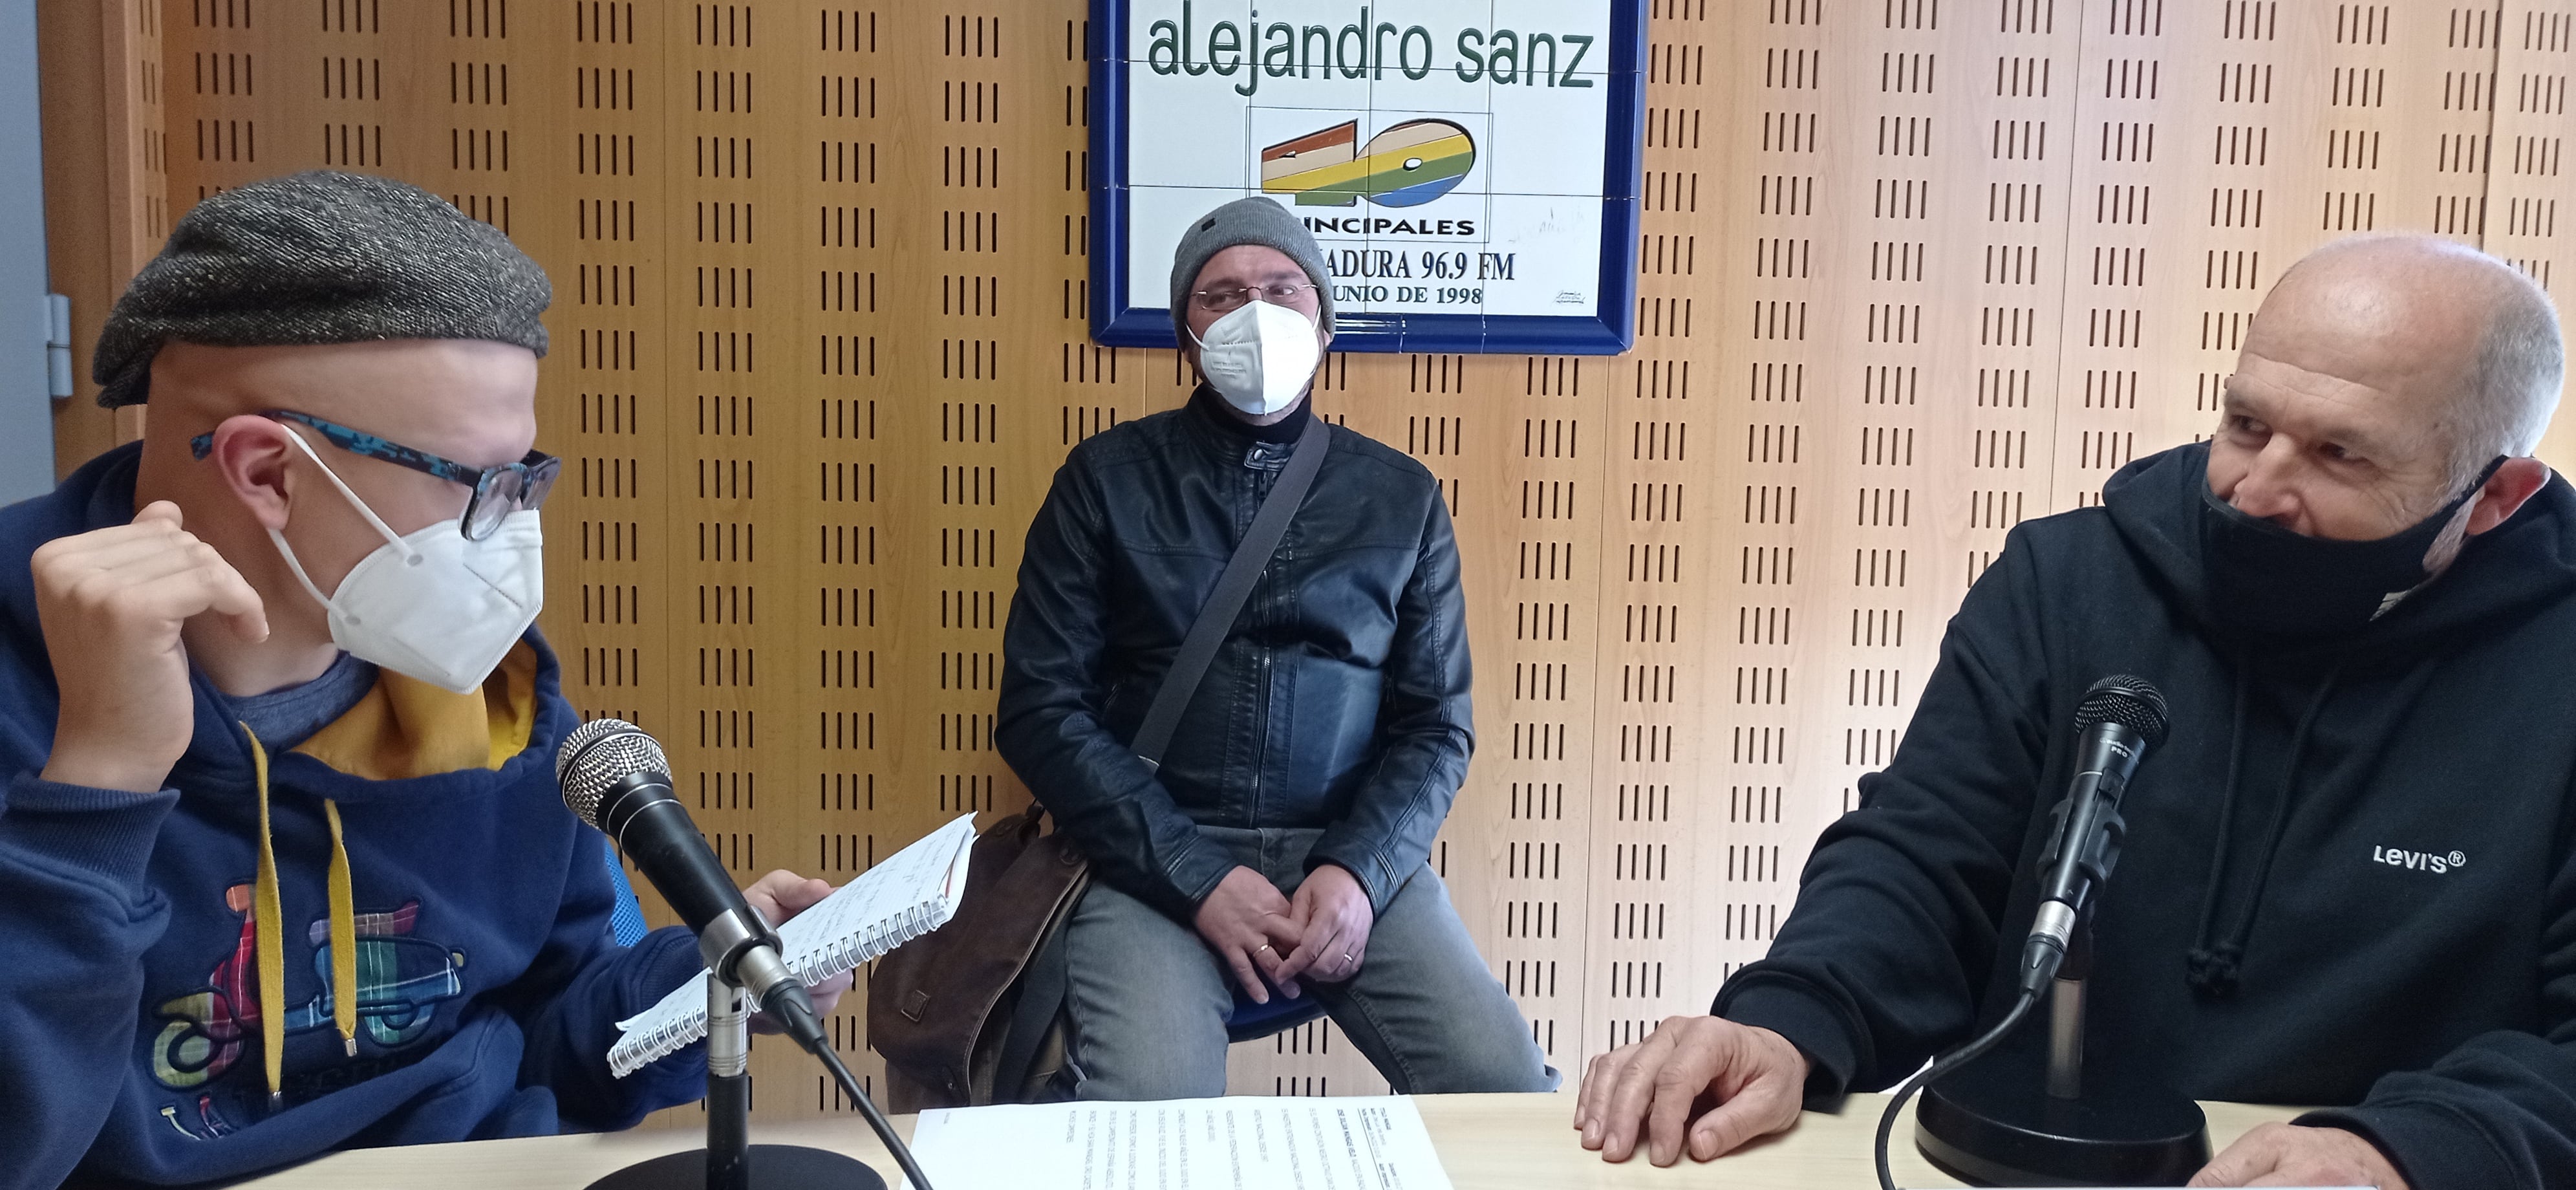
{"type": "Point", "coordinates": [2118, 720]}
{"type": "Point", "coordinates": [616, 778]}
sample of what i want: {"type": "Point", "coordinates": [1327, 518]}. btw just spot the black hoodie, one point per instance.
{"type": "Point", "coordinates": [2347, 877]}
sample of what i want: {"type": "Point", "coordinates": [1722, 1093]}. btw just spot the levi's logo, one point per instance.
{"type": "Point", "coordinates": [2419, 861]}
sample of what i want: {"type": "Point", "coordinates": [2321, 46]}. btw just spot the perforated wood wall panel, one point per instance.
{"type": "Point", "coordinates": [1913, 271]}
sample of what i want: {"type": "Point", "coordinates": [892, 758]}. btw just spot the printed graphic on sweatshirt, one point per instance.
{"type": "Point", "coordinates": [400, 978]}
{"type": "Point", "coordinates": [2436, 862]}
{"type": "Point", "coordinates": [210, 1122]}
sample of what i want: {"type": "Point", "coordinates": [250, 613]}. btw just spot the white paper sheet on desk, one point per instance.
{"type": "Point", "coordinates": [1246, 1143]}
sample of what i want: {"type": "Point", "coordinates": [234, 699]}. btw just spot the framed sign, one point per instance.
{"type": "Point", "coordinates": [1471, 168]}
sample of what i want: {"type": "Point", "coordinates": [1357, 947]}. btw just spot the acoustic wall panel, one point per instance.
{"type": "Point", "coordinates": [2527, 179]}
{"type": "Point", "coordinates": [1910, 272]}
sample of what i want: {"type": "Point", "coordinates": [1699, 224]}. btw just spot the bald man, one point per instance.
{"type": "Point", "coordinates": [283, 864]}
{"type": "Point", "coordinates": [2347, 880]}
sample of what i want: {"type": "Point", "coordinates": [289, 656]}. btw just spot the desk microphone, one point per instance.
{"type": "Point", "coordinates": [2120, 718]}
{"type": "Point", "coordinates": [615, 778]}
{"type": "Point", "coordinates": [2028, 1119]}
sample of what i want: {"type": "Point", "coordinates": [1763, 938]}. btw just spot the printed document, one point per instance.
{"type": "Point", "coordinates": [1241, 1143]}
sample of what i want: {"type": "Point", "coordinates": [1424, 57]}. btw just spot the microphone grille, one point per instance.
{"type": "Point", "coordinates": [599, 754]}
{"type": "Point", "coordinates": [2125, 699]}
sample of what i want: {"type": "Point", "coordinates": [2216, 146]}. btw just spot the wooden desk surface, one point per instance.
{"type": "Point", "coordinates": [1496, 1141]}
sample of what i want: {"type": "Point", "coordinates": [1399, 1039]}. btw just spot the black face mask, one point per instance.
{"type": "Point", "coordinates": [2268, 580]}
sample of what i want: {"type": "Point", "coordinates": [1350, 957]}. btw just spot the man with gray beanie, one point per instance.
{"type": "Point", "coordinates": [283, 867]}
{"type": "Point", "coordinates": [1280, 848]}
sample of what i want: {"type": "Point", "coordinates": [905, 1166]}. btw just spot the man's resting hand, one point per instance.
{"type": "Point", "coordinates": [2289, 1155]}
{"type": "Point", "coordinates": [1334, 919]}
{"type": "Point", "coordinates": [1701, 1079]}
{"type": "Point", "coordinates": [1245, 921]}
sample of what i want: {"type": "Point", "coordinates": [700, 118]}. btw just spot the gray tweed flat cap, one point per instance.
{"type": "Point", "coordinates": [1246, 221]}
{"type": "Point", "coordinates": [320, 257]}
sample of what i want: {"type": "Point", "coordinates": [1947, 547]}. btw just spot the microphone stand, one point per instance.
{"type": "Point", "coordinates": [1995, 1124]}
{"type": "Point", "coordinates": [730, 1161]}
{"type": "Point", "coordinates": [2066, 1018]}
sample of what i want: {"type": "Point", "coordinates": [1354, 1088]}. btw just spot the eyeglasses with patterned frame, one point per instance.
{"type": "Point", "coordinates": [498, 491]}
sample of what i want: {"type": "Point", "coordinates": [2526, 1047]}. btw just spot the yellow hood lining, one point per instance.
{"type": "Point", "coordinates": [408, 728]}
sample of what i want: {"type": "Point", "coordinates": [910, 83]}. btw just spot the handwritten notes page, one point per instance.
{"type": "Point", "coordinates": [1246, 1143]}
{"type": "Point", "coordinates": [911, 893]}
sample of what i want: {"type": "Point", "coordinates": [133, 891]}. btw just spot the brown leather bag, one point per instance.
{"type": "Point", "coordinates": [942, 1015]}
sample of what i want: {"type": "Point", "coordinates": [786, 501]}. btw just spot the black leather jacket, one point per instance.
{"type": "Point", "coordinates": [1339, 701]}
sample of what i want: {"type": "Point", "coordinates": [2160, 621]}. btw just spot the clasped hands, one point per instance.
{"type": "Point", "coordinates": [1711, 1085]}
{"type": "Point", "coordinates": [1320, 934]}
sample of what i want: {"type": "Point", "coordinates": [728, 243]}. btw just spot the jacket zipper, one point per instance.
{"type": "Point", "coordinates": [1261, 696]}
{"type": "Point", "coordinates": [1261, 753]}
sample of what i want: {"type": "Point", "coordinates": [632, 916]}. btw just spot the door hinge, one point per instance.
{"type": "Point", "coordinates": [58, 345]}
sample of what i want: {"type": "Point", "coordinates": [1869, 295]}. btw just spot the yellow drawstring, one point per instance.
{"type": "Point", "coordinates": [268, 922]}
{"type": "Point", "coordinates": [268, 928]}
{"type": "Point", "coordinates": [344, 937]}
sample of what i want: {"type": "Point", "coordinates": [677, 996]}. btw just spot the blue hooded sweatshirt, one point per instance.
{"type": "Point", "coordinates": [134, 1038]}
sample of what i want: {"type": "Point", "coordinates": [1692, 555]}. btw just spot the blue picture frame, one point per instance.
{"type": "Point", "coordinates": [1117, 321]}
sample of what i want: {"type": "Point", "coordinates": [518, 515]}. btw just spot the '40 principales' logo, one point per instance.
{"type": "Point", "coordinates": [1406, 165]}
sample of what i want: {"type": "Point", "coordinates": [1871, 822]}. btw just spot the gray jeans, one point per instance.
{"type": "Point", "coordinates": [1148, 999]}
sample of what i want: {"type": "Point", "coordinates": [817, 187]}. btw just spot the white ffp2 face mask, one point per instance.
{"type": "Point", "coordinates": [432, 605]}
{"type": "Point", "coordinates": [1260, 356]}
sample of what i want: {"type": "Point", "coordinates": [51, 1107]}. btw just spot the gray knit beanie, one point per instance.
{"type": "Point", "coordinates": [320, 257]}
{"type": "Point", "coordinates": [1246, 221]}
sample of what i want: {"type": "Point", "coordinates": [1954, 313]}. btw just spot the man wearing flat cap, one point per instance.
{"type": "Point", "coordinates": [283, 867]}
{"type": "Point", "coordinates": [1281, 846]}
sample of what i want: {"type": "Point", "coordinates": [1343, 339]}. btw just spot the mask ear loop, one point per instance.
{"type": "Point", "coordinates": [286, 551]}
{"type": "Point", "coordinates": [391, 538]}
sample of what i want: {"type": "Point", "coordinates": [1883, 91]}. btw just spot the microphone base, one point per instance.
{"type": "Point", "coordinates": [1994, 1124]}
{"type": "Point", "coordinates": [773, 1167]}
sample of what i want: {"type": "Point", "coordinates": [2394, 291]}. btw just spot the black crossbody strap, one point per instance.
{"type": "Point", "coordinates": [1233, 587]}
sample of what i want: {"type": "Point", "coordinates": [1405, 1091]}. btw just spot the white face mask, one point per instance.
{"type": "Point", "coordinates": [433, 605]}
{"type": "Point", "coordinates": [1260, 356]}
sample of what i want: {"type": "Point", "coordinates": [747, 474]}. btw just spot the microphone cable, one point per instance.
{"type": "Point", "coordinates": [1943, 1065]}
{"type": "Point", "coordinates": [876, 1119]}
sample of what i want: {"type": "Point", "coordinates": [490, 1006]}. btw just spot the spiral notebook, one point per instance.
{"type": "Point", "coordinates": [911, 893]}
